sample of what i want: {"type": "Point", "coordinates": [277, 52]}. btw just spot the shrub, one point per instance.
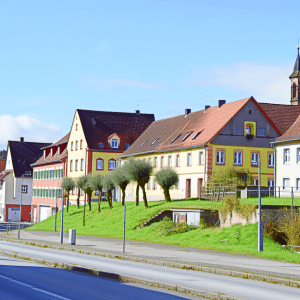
{"type": "Point", "coordinates": [168, 227]}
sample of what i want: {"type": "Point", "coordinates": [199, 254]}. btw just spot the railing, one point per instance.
{"type": "Point", "coordinates": [8, 226]}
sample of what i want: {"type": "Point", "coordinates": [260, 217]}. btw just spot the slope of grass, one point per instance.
{"type": "Point", "coordinates": [109, 223]}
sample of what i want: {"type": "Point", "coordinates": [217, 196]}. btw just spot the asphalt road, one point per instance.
{"type": "Point", "coordinates": [243, 288]}
{"type": "Point", "coordinates": [25, 280]}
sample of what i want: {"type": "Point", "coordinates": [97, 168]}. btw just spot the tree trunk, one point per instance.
{"type": "Point", "coordinates": [99, 200]}
{"type": "Point", "coordinates": [123, 196]}
{"type": "Point", "coordinates": [144, 196]}
{"type": "Point", "coordinates": [89, 196]}
{"type": "Point", "coordinates": [68, 197]}
{"type": "Point", "coordinates": [137, 195]}
{"type": "Point", "coordinates": [78, 196]}
{"type": "Point", "coordinates": [109, 198]}
{"type": "Point", "coordinates": [167, 194]}
{"type": "Point", "coordinates": [84, 212]}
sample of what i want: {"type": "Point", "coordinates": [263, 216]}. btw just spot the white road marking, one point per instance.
{"type": "Point", "coordinates": [34, 288]}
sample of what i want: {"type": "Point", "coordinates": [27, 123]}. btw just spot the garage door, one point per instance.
{"type": "Point", "coordinates": [44, 213]}
{"type": "Point", "coordinates": [13, 214]}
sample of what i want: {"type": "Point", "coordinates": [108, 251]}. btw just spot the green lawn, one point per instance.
{"type": "Point", "coordinates": [109, 223]}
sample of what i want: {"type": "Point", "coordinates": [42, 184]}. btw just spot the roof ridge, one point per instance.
{"type": "Point", "coordinates": [115, 112]}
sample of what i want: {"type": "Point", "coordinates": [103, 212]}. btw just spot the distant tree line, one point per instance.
{"type": "Point", "coordinates": [3, 154]}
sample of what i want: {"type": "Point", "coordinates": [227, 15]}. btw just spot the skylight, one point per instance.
{"type": "Point", "coordinates": [175, 138]}
{"type": "Point", "coordinates": [196, 134]}
{"type": "Point", "coordinates": [186, 136]}
{"type": "Point", "coordinates": [101, 145]}
{"type": "Point", "coordinates": [143, 144]}
{"type": "Point", "coordinates": [154, 141]}
{"type": "Point", "coordinates": [127, 146]}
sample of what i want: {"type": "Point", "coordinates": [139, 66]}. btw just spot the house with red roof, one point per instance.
{"type": "Point", "coordinates": [97, 138]}
{"type": "Point", "coordinates": [48, 172]}
{"type": "Point", "coordinates": [196, 144]}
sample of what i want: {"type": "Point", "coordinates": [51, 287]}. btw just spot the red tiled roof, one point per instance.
{"type": "Point", "coordinates": [4, 173]}
{"type": "Point", "coordinates": [99, 125]}
{"type": "Point", "coordinates": [282, 115]}
{"type": "Point", "coordinates": [293, 133]}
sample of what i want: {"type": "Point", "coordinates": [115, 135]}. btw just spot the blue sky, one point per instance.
{"type": "Point", "coordinates": [156, 56]}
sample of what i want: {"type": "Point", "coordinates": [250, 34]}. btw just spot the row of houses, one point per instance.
{"type": "Point", "coordinates": [196, 144]}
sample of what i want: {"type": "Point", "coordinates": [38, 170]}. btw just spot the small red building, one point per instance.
{"type": "Point", "coordinates": [2, 165]}
{"type": "Point", "coordinates": [48, 172]}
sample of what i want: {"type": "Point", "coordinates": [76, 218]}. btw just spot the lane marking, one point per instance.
{"type": "Point", "coordinates": [34, 288]}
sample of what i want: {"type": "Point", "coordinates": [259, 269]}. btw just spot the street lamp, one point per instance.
{"type": "Point", "coordinates": [260, 224]}
{"type": "Point", "coordinates": [62, 220]}
{"type": "Point", "coordinates": [20, 215]}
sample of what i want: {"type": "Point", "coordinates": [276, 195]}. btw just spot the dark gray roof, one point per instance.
{"type": "Point", "coordinates": [23, 154]}
{"type": "Point", "coordinates": [296, 71]}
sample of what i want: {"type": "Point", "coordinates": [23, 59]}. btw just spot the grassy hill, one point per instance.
{"type": "Point", "coordinates": [109, 223]}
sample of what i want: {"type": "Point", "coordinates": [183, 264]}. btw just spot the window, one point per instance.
{"type": "Point", "coordinates": [80, 144]}
{"type": "Point", "coordinates": [154, 184]}
{"type": "Point", "coordinates": [58, 151]}
{"type": "Point", "coordinates": [99, 164]}
{"type": "Point", "coordinates": [149, 160]}
{"type": "Point", "coordinates": [261, 132]}
{"type": "Point", "coordinates": [196, 134]}
{"type": "Point", "coordinates": [76, 126]}
{"type": "Point", "coordinates": [82, 165]}
{"type": "Point", "coordinates": [250, 111]}
{"type": "Point", "coordinates": [71, 167]}
{"type": "Point", "coordinates": [271, 160]}
{"type": "Point", "coordinates": [111, 164]}
{"type": "Point", "coordinates": [177, 185]}
{"type": "Point", "coordinates": [297, 183]}
{"type": "Point", "coordinates": [155, 161]}
{"type": "Point", "coordinates": [169, 161]}
{"type": "Point", "coordinates": [286, 156]}
{"type": "Point", "coordinates": [149, 185]}
{"type": "Point", "coordinates": [270, 183]}
{"type": "Point", "coordinates": [127, 146]}
{"type": "Point", "coordinates": [294, 90]}
{"type": "Point", "coordinates": [186, 136]}
{"type": "Point", "coordinates": [238, 158]}
{"type": "Point", "coordinates": [286, 183]}
{"type": "Point", "coordinates": [298, 156]}
{"type": "Point", "coordinates": [76, 165]}
{"type": "Point", "coordinates": [71, 146]}
{"type": "Point", "coordinates": [220, 157]}
{"type": "Point", "coordinates": [254, 159]}
{"type": "Point", "coordinates": [114, 143]}
{"type": "Point", "coordinates": [143, 144]}
{"type": "Point", "coordinates": [162, 162]}
{"type": "Point", "coordinates": [201, 158]}
{"type": "Point", "coordinates": [248, 130]}
{"type": "Point", "coordinates": [76, 145]}
{"type": "Point", "coordinates": [175, 138]}
{"type": "Point", "coordinates": [100, 145]}
{"type": "Point", "coordinates": [189, 159]}
{"type": "Point", "coordinates": [255, 182]}
{"type": "Point", "coordinates": [154, 141]}
{"type": "Point", "coordinates": [24, 189]}
{"type": "Point", "coordinates": [177, 160]}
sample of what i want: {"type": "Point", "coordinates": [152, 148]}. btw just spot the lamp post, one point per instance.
{"type": "Point", "coordinates": [20, 216]}
{"type": "Point", "coordinates": [62, 220]}
{"type": "Point", "coordinates": [260, 224]}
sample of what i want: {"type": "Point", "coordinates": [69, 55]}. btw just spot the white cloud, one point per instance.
{"type": "Point", "coordinates": [33, 130]}
{"type": "Point", "coordinates": [266, 82]}
{"type": "Point", "coordinates": [113, 82]}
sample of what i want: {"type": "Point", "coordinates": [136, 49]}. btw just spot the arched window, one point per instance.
{"type": "Point", "coordinates": [111, 164]}
{"type": "Point", "coordinates": [99, 164]}
{"type": "Point", "coordinates": [294, 90]}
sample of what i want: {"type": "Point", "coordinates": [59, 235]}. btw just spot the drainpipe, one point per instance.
{"type": "Point", "coordinates": [204, 180]}
{"type": "Point", "coordinates": [275, 171]}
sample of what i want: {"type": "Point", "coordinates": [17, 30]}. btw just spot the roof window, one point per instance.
{"type": "Point", "coordinates": [196, 134]}
{"type": "Point", "coordinates": [175, 138]}
{"type": "Point", "coordinates": [127, 146]}
{"type": "Point", "coordinates": [101, 145]}
{"type": "Point", "coordinates": [154, 141]}
{"type": "Point", "coordinates": [143, 144]}
{"type": "Point", "coordinates": [186, 136]}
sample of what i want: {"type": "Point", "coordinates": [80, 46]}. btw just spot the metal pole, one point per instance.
{"type": "Point", "coordinates": [20, 216]}
{"type": "Point", "coordinates": [260, 224]}
{"type": "Point", "coordinates": [62, 221]}
{"type": "Point", "coordinates": [55, 214]}
{"type": "Point", "coordinates": [124, 229]}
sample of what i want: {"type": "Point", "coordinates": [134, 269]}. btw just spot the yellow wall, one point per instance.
{"type": "Point", "coordinates": [266, 172]}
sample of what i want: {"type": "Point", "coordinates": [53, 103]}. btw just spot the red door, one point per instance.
{"type": "Point", "coordinates": [188, 188]}
{"type": "Point", "coordinates": [199, 185]}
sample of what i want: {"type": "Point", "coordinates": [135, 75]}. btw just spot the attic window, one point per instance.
{"type": "Point", "coordinates": [101, 145]}
{"type": "Point", "coordinates": [127, 146]}
{"type": "Point", "coordinates": [114, 143]}
{"type": "Point", "coordinates": [154, 141]}
{"type": "Point", "coordinates": [250, 111]}
{"type": "Point", "coordinates": [175, 138]}
{"type": "Point", "coordinates": [143, 144]}
{"type": "Point", "coordinates": [186, 136]}
{"type": "Point", "coordinates": [196, 134]}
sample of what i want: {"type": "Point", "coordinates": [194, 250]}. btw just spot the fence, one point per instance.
{"type": "Point", "coordinates": [8, 226]}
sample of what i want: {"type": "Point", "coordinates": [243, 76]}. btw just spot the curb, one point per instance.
{"type": "Point", "coordinates": [126, 278]}
{"type": "Point", "coordinates": [219, 271]}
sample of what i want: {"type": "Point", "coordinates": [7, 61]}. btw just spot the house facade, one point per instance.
{"type": "Point", "coordinates": [48, 172]}
{"type": "Point", "coordinates": [197, 144]}
{"type": "Point", "coordinates": [18, 183]}
{"type": "Point", "coordinates": [97, 138]}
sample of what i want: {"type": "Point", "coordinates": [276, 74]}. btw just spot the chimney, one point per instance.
{"type": "Point", "coordinates": [137, 112]}
{"type": "Point", "coordinates": [21, 139]}
{"type": "Point", "coordinates": [221, 102]}
{"type": "Point", "coordinates": [187, 111]}
{"type": "Point", "coordinates": [207, 107]}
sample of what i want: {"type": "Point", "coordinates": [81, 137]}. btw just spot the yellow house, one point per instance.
{"type": "Point", "coordinates": [197, 144]}
{"type": "Point", "coordinates": [97, 138]}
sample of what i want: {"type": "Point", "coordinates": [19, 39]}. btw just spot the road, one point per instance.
{"type": "Point", "coordinates": [243, 288]}
{"type": "Point", "coordinates": [22, 280]}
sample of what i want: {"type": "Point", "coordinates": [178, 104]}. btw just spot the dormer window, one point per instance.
{"type": "Point", "coordinates": [114, 143]}
{"type": "Point", "coordinates": [250, 111]}
{"type": "Point", "coordinates": [248, 130]}
{"type": "Point", "coordinates": [58, 151]}
{"type": "Point", "coordinates": [51, 152]}
{"type": "Point", "coordinates": [44, 153]}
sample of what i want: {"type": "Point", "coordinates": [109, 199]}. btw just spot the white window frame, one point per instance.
{"type": "Point", "coordinates": [298, 156]}
{"type": "Point", "coordinates": [114, 143]}
{"type": "Point", "coordinates": [177, 160]}
{"type": "Point", "coordinates": [271, 160]}
{"type": "Point", "coordinates": [169, 161]}
{"type": "Point", "coordinates": [189, 159]}
{"type": "Point", "coordinates": [286, 156]}
{"type": "Point", "coordinates": [284, 181]}
{"type": "Point", "coordinates": [220, 157]}
{"type": "Point", "coordinates": [200, 158]}
{"type": "Point", "coordinates": [24, 189]}
{"type": "Point", "coordinates": [71, 167]}
{"type": "Point", "coordinates": [99, 164]}
{"type": "Point", "coordinates": [111, 164]}
{"type": "Point", "coordinates": [238, 158]}
{"type": "Point", "coordinates": [162, 161]}
{"type": "Point", "coordinates": [254, 159]}
{"type": "Point", "coordinates": [270, 182]}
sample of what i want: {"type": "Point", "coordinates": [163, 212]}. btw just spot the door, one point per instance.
{"type": "Point", "coordinates": [44, 213]}
{"type": "Point", "coordinates": [199, 186]}
{"type": "Point", "coordinates": [188, 188]}
{"type": "Point", "coordinates": [34, 214]}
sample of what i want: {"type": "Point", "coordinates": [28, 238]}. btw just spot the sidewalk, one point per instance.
{"type": "Point", "coordinates": [161, 254]}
